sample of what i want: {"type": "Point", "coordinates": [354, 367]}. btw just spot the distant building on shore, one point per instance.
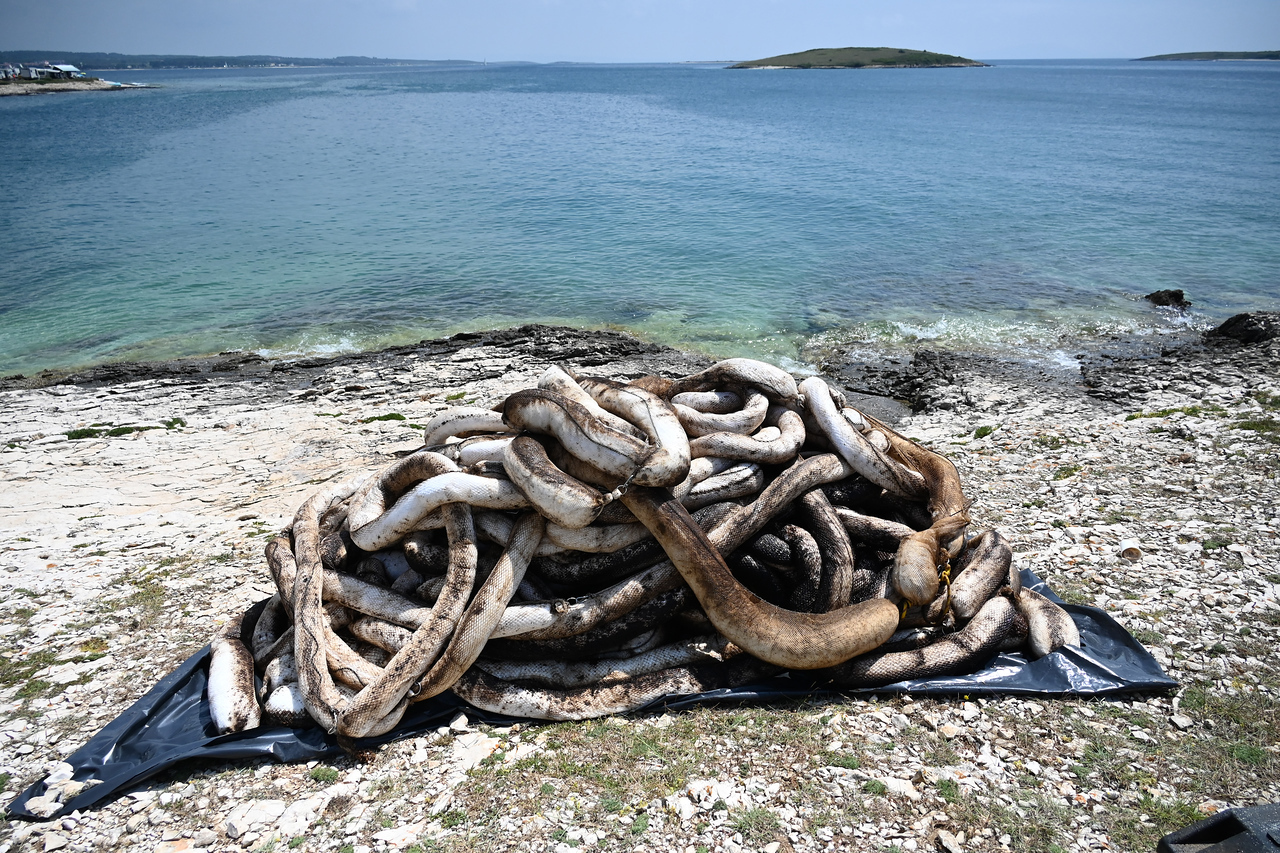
{"type": "Point", "coordinates": [45, 71]}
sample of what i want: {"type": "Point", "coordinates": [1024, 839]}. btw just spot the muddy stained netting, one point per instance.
{"type": "Point", "coordinates": [171, 723]}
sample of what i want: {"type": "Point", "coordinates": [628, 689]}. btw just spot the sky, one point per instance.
{"type": "Point", "coordinates": [638, 30]}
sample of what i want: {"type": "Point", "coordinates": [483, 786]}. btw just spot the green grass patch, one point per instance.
{"type": "Point", "coordinates": [757, 825]}
{"type": "Point", "coordinates": [108, 431]}
{"type": "Point", "coordinates": [849, 762]}
{"type": "Point", "coordinates": [324, 774]}
{"type": "Point", "coordinates": [1067, 471]}
{"type": "Point", "coordinates": [1191, 411]}
{"type": "Point", "coordinates": [1036, 827]}
{"type": "Point", "coordinates": [1248, 753]}
{"type": "Point", "coordinates": [148, 595]}
{"type": "Point", "coordinates": [875, 786]}
{"type": "Point", "coordinates": [1268, 427]}
{"type": "Point", "coordinates": [14, 670]}
{"type": "Point", "coordinates": [984, 431]}
{"type": "Point", "coordinates": [1147, 636]}
{"type": "Point", "coordinates": [1243, 726]}
{"type": "Point", "coordinates": [389, 416]}
{"type": "Point", "coordinates": [32, 688]}
{"type": "Point", "coordinates": [1268, 401]}
{"type": "Point", "coordinates": [640, 825]}
{"type": "Point", "coordinates": [1128, 832]}
{"type": "Point", "coordinates": [455, 396]}
{"type": "Point", "coordinates": [452, 818]}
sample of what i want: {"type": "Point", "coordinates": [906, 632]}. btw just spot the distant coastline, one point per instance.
{"type": "Point", "coordinates": [862, 57]}
{"type": "Point", "coordinates": [128, 61]}
{"type": "Point", "coordinates": [1212, 56]}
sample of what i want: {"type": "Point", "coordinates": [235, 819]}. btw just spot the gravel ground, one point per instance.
{"type": "Point", "coordinates": [123, 550]}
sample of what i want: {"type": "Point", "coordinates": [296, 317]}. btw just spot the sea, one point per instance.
{"type": "Point", "coordinates": [1023, 209]}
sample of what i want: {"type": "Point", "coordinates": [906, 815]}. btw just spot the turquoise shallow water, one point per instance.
{"type": "Point", "coordinates": [1018, 207]}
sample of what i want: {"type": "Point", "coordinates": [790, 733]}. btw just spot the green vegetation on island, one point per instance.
{"type": "Point", "coordinates": [1210, 55]}
{"type": "Point", "coordinates": [862, 57]}
{"type": "Point", "coordinates": [119, 61]}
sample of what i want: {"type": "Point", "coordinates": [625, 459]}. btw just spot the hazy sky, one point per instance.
{"type": "Point", "coordinates": [638, 30]}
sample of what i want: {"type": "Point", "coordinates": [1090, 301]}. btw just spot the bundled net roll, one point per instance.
{"type": "Point", "coordinates": [590, 547]}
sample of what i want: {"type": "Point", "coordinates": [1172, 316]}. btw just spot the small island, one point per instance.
{"type": "Point", "coordinates": [1211, 56]}
{"type": "Point", "coordinates": [862, 57]}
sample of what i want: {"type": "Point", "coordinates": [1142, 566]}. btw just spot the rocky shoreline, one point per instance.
{"type": "Point", "coordinates": [18, 87]}
{"type": "Point", "coordinates": [138, 499]}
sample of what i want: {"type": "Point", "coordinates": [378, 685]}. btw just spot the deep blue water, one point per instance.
{"type": "Point", "coordinates": [298, 210]}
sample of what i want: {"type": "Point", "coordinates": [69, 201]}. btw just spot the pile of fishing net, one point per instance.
{"type": "Point", "coordinates": [590, 547]}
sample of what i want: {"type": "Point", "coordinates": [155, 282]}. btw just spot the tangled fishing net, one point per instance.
{"type": "Point", "coordinates": [591, 547]}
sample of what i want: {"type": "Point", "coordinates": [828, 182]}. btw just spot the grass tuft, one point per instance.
{"type": "Point", "coordinates": [324, 774]}
{"type": "Point", "coordinates": [757, 825]}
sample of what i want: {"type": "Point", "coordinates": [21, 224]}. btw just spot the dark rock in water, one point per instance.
{"type": "Point", "coordinates": [1169, 299]}
{"type": "Point", "coordinates": [1250, 328]}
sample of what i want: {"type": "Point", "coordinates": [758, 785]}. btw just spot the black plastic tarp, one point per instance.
{"type": "Point", "coordinates": [172, 724]}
